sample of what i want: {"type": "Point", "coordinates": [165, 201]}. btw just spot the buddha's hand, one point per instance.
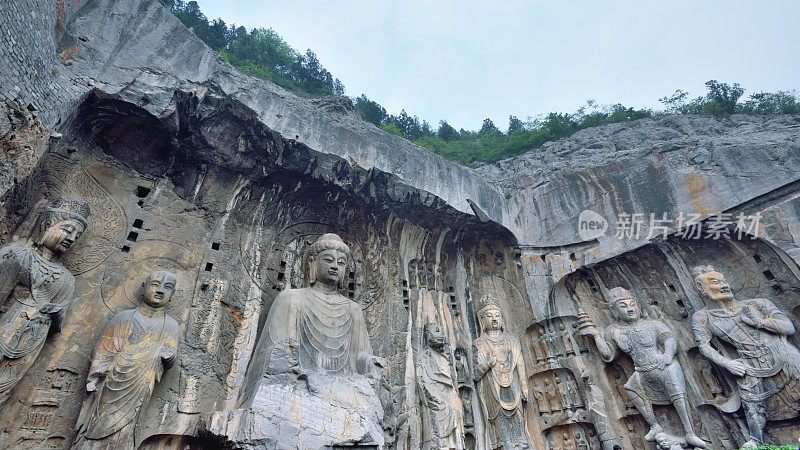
{"type": "Point", "coordinates": [92, 380]}
{"type": "Point", "coordinates": [167, 355]}
{"type": "Point", "coordinates": [735, 367]}
{"type": "Point", "coordinates": [51, 308]}
{"type": "Point", "coordinates": [751, 316]}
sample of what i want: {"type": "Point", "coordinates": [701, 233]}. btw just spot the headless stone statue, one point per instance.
{"type": "Point", "coordinates": [35, 288]}
{"type": "Point", "coordinates": [444, 427]}
{"type": "Point", "coordinates": [767, 369]}
{"type": "Point", "coordinates": [658, 378]}
{"type": "Point", "coordinates": [135, 348]}
{"type": "Point", "coordinates": [501, 380]}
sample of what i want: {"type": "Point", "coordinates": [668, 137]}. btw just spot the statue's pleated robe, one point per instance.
{"type": "Point", "coordinates": [329, 329]}
{"type": "Point", "coordinates": [27, 283]}
{"type": "Point", "coordinates": [131, 352]}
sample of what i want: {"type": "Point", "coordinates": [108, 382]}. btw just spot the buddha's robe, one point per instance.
{"type": "Point", "coordinates": [442, 408]}
{"type": "Point", "coordinates": [330, 330]}
{"type": "Point", "coordinates": [28, 284]}
{"type": "Point", "coordinates": [133, 352]}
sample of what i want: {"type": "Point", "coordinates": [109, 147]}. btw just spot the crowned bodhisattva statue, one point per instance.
{"type": "Point", "coordinates": [767, 367]}
{"type": "Point", "coordinates": [35, 288]}
{"type": "Point", "coordinates": [135, 348]}
{"type": "Point", "coordinates": [501, 380]}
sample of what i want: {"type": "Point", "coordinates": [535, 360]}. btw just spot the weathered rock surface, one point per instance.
{"type": "Point", "coordinates": [225, 181]}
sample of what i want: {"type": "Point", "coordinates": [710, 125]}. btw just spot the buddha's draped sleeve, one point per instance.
{"type": "Point", "coordinates": [282, 321]}
{"type": "Point", "coordinates": [9, 270]}
{"type": "Point", "coordinates": [115, 336]}
{"type": "Point", "coordinates": [360, 334]}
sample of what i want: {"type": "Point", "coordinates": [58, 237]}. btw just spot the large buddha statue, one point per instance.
{"type": "Point", "coordinates": [313, 380]}
{"type": "Point", "coordinates": [327, 328]}
{"type": "Point", "coordinates": [35, 288]}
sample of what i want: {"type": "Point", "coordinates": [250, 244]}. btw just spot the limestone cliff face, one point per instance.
{"type": "Point", "coordinates": [225, 180]}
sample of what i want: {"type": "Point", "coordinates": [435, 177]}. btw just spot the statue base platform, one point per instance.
{"type": "Point", "coordinates": [313, 412]}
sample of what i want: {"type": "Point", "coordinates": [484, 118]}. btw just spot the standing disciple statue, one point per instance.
{"type": "Point", "coordinates": [136, 346]}
{"type": "Point", "coordinates": [35, 288]}
{"type": "Point", "coordinates": [658, 377]}
{"type": "Point", "coordinates": [501, 380]}
{"type": "Point", "coordinates": [767, 369]}
{"type": "Point", "coordinates": [327, 329]}
{"type": "Point", "coordinates": [444, 427]}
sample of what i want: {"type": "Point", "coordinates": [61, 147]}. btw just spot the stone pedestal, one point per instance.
{"type": "Point", "coordinates": [316, 412]}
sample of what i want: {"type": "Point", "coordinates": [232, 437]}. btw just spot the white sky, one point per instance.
{"type": "Point", "coordinates": [467, 60]}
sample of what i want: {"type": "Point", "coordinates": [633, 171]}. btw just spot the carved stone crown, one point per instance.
{"type": "Point", "coordinates": [68, 207]}
{"type": "Point", "coordinates": [486, 303]}
{"type": "Point", "coordinates": [619, 292]}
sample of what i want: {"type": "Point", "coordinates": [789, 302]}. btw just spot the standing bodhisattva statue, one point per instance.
{"type": "Point", "coordinates": [36, 288]}
{"type": "Point", "coordinates": [444, 427]}
{"type": "Point", "coordinates": [501, 380]}
{"type": "Point", "coordinates": [767, 367]}
{"type": "Point", "coordinates": [658, 377]}
{"type": "Point", "coordinates": [136, 346]}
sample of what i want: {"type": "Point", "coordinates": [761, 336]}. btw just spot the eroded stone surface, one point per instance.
{"type": "Point", "coordinates": [226, 181]}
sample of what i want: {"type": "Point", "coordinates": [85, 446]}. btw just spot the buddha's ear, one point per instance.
{"type": "Point", "coordinates": [312, 269]}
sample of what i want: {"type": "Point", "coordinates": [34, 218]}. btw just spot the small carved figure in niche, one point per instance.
{"type": "Point", "coordinates": [569, 348]}
{"type": "Point", "coordinates": [663, 442]}
{"type": "Point", "coordinates": [135, 349]}
{"type": "Point", "coordinates": [573, 398]}
{"type": "Point", "coordinates": [466, 401]}
{"type": "Point", "coordinates": [567, 442]}
{"type": "Point", "coordinates": [768, 366]}
{"type": "Point", "coordinates": [501, 380]}
{"type": "Point", "coordinates": [444, 427]}
{"type": "Point", "coordinates": [462, 372]}
{"type": "Point", "coordinates": [328, 328]}
{"type": "Point", "coordinates": [540, 345]}
{"type": "Point", "coordinates": [562, 394]}
{"type": "Point", "coordinates": [35, 288]}
{"type": "Point", "coordinates": [658, 377]}
{"type": "Point", "coordinates": [542, 403]}
{"type": "Point", "coordinates": [553, 396]}
{"type": "Point", "coordinates": [580, 442]}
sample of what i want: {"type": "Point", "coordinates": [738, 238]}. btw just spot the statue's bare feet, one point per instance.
{"type": "Point", "coordinates": [750, 445]}
{"type": "Point", "coordinates": [654, 430]}
{"type": "Point", "coordinates": [695, 441]}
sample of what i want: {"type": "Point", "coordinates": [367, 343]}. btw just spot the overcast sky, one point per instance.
{"type": "Point", "coordinates": [467, 60]}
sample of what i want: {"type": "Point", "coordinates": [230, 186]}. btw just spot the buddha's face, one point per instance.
{"type": "Point", "coordinates": [663, 441]}
{"type": "Point", "coordinates": [712, 285]}
{"type": "Point", "coordinates": [60, 236]}
{"type": "Point", "coordinates": [331, 265]}
{"type": "Point", "coordinates": [158, 289]}
{"type": "Point", "coordinates": [627, 308]}
{"type": "Point", "coordinates": [434, 336]}
{"type": "Point", "coordinates": [492, 320]}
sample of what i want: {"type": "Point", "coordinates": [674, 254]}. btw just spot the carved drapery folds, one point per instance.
{"type": "Point", "coordinates": [134, 349]}
{"type": "Point", "coordinates": [35, 288]}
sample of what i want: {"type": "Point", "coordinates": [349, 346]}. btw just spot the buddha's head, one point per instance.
{"type": "Point", "coordinates": [490, 316]}
{"type": "Point", "coordinates": [327, 259]}
{"type": "Point", "coordinates": [60, 224]}
{"type": "Point", "coordinates": [711, 284]}
{"type": "Point", "coordinates": [158, 288]}
{"type": "Point", "coordinates": [663, 442]}
{"type": "Point", "coordinates": [624, 305]}
{"type": "Point", "coordinates": [434, 336]}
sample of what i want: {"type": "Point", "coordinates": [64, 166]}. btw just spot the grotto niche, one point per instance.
{"type": "Point", "coordinates": [481, 316]}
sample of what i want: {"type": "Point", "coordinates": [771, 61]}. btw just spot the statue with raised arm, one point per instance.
{"type": "Point", "coordinates": [134, 350]}
{"type": "Point", "coordinates": [443, 411]}
{"type": "Point", "coordinates": [501, 379]}
{"type": "Point", "coordinates": [658, 377]}
{"type": "Point", "coordinates": [767, 369]}
{"type": "Point", "coordinates": [35, 288]}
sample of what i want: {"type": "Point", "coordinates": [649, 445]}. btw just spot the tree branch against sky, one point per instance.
{"type": "Point", "coordinates": [464, 61]}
